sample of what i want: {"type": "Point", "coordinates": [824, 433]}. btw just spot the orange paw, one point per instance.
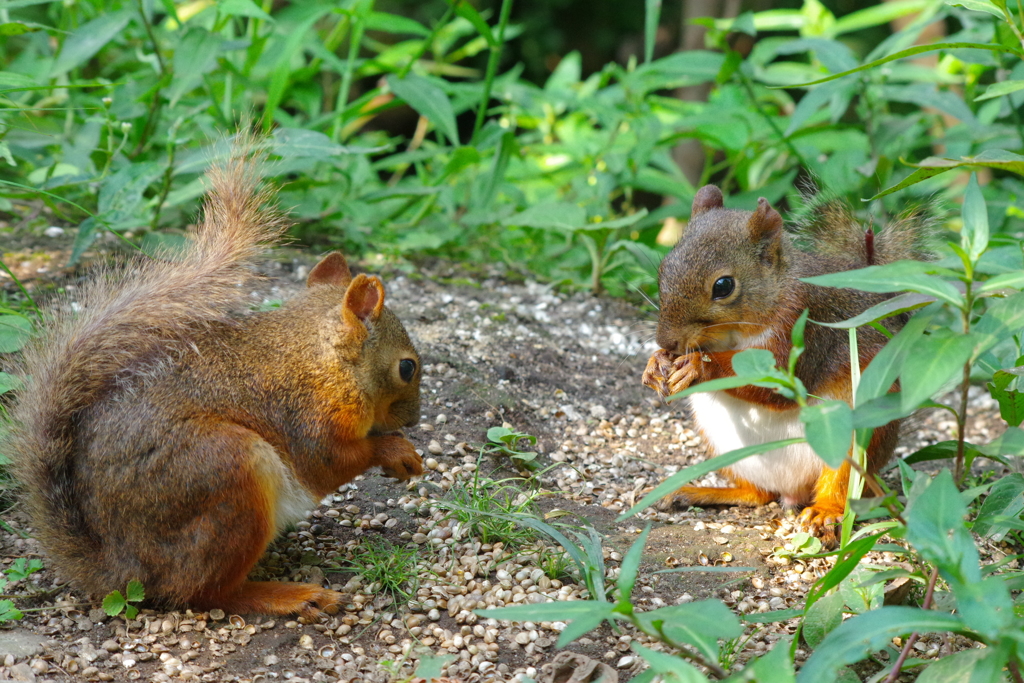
{"type": "Point", "coordinates": [669, 374]}
{"type": "Point", "coordinates": [397, 457]}
{"type": "Point", "coordinates": [322, 602]}
{"type": "Point", "coordinates": [821, 521]}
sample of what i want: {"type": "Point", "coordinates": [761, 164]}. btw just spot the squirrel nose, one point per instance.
{"type": "Point", "coordinates": [667, 342]}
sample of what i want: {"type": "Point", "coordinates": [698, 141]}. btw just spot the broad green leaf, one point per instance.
{"type": "Point", "coordinates": [290, 143]}
{"type": "Point", "coordinates": [131, 611]}
{"type": "Point", "coordinates": [428, 100]}
{"type": "Point", "coordinates": [240, 8]}
{"type": "Point", "coordinates": [8, 382]}
{"type": "Point", "coordinates": [1006, 499]}
{"type": "Point", "coordinates": [829, 428]}
{"type": "Point", "coordinates": [884, 368]}
{"type": "Point", "coordinates": [700, 624]}
{"type": "Point", "coordinates": [676, 70]}
{"type": "Point", "coordinates": [909, 52]}
{"type": "Point", "coordinates": [848, 560]}
{"type": "Point", "coordinates": [772, 617]}
{"type": "Point", "coordinates": [672, 669]}
{"type": "Point", "coordinates": [977, 6]}
{"type": "Point", "coordinates": [878, 15]}
{"type": "Point", "coordinates": [969, 666]}
{"type": "Point", "coordinates": [932, 166]}
{"type": "Point", "coordinates": [880, 411]}
{"type": "Point", "coordinates": [550, 215]}
{"type": "Point", "coordinates": [1003, 319]}
{"type": "Point", "coordinates": [17, 28]}
{"type": "Point", "coordinates": [195, 56]}
{"type": "Point", "coordinates": [699, 470]}
{"type": "Point", "coordinates": [631, 565]}
{"type": "Point", "coordinates": [285, 52]}
{"type": "Point", "coordinates": [1004, 281]}
{"type": "Point", "coordinates": [753, 363]}
{"type": "Point", "coordinates": [114, 603]}
{"type": "Point", "coordinates": [1000, 89]}
{"type": "Point", "coordinates": [8, 612]}
{"type": "Point", "coordinates": [974, 233]}
{"type": "Point", "coordinates": [902, 303]}
{"type": "Point", "coordinates": [774, 667]}
{"type": "Point", "coordinates": [136, 591]}
{"type": "Point", "coordinates": [652, 12]}
{"type": "Point", "coordinates": [430, 666]}
{"type": "Point", "coordinates": [585, 623]}
{"type": "Point", "coordinates": [545, 611]}
{"type": "Point", "coordinates": [469, 13]}
{"type": "Point", "coordinates": [394, 23]}
{"type": "Point", "coordinates": [935, 526]}
{"type": "Point", "coordinates": [892, 277]}
{"type": "Point", "coordinates": [615, 223]}
{"type": "Point", "coordinates": [15, 331]}
{"type": "Point", "coordinates": [1011, 402]}
{"type": "Point", "coordinates": [88, 39]}
{"type": "Point", "coordinates": [822, 617]}
{"type": "Point", "coordinates": [933, 361]}
{"type": "Point", "coordinates": [870, 632]}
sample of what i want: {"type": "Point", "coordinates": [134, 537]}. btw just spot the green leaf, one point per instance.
{"type": "Point", "coordinates": [549, 215]}
{"type": "Point", "coordinates": [848, 560]}
{"type": "Point", "coordinates": [17, 28]}
{"type": "Point", "coordinates": [829, 428]}
{"type": "Point", "coordinates": [136, 591]}
{"type": "Point", "coordinates": [974, 234]}
{"type": "Point", "coordinates": [430, 666]}
{"type": "Point", "coordinates": [892, 277]}
{"type": "Point", "coordinates": [672, 669]}
{"type": "Point", "coordinates": [586, 623]}
{"type": "Point", "coordinates": [822, 617]}
{"type": "Point", "coordinates": [909, 52]}
{"type": "Point", "coordinates": [772, 617]}
{"type": "Point", "coordinates": [855, 638]}
{"type": "Point", "coordinates": [8, 612]}
{"type": "Point", "coordinates": [615, 223]}
{"type": "Point", "coordinates": [1000, 89]}
{"type": "Point", "coordinates": [932, 166]}
{"type": "Point", "coordinates": [1003, 319]}
{"type": "Point", "coordinates": [631, 565]}
{"type": "Point", "coordinates": [1011, 403]}
{"type": "Point", "coordinates": [933, 361]}
{"type": "Point", "coordinates": [428, 100]}
{"type": "Point", "coordinates": [884, 368]}
{"type": "Point", "coordinates": [15, 331]}
{"type": "Point", "coordinates": [131, 611]}
{"type": "Point", "coordinates": [1006, 499]}
{"type": "Point", "coordinates": [240, 8]}
{"type": "Point", "coordinates": [774, 667]}
{"type": "Point", "coordinates": [1004, 281]}
{"type": "Point", "coordinates": [395, 23]}
{"type": "Point", "coordinates": [977, 6]}
{"type": "Point", "coordinates": [194, 57]}
{"type": "Point", "coordinates": [970, 666]}
{"type": "Point", "coordinates": [652, 12]}
{"type": "Point", "coordinates": [8, 382]}
{"type": "Point", "coordinates": [877, 15]}
{"type": "Point", "coordinates": [469, 13]}
{"type": "Point", "coordinates": [699, 470]}
{"type": "Point", "coordinates": [700, 624]}
{"type": "Point", "coordinates": [546, 611]}
{"type": "Point", "coordinates": [114, 603]}
{"type": "Point", "coordinates": [88, 39]}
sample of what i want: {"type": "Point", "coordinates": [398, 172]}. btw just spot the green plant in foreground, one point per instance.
{"type": "Point", "coordinates": [115, 603]}
{"type": "Point", "coordinates": [19, 570]}
{"type": "Point", "coordinates": [491, 509]}
{"type": "Point", "coordinates": [508, 443]}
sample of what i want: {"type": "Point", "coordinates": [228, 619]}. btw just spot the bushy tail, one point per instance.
{"type": "Point", "coordinates": [129, 319]}
{"type": "Point", "coordinates": [832, 230]}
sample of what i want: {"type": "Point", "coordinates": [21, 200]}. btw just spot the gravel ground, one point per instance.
{"type": "Point", "coordinates": [496, 351]}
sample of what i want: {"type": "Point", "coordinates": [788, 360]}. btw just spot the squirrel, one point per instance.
{"type": "Point", "coordinates": [732, 282]}
{"type": "Point", "coordinates": [161, 438]}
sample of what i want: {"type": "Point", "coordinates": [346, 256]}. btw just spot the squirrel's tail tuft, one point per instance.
{"type": "Point", "coordinates": [131, 319]}
{"type": "Point", "coordinates": [830, 229]}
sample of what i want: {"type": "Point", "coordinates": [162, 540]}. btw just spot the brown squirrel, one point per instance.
{"type": "Point", "coordinates": [732, 282]}
{"type": "Point", "coordinates": [162, 439]}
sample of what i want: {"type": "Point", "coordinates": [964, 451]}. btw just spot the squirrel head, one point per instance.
{"type": "Point", "coordinates": [387, 365]}
{"type": "Point", "coordinates": [723, 284]}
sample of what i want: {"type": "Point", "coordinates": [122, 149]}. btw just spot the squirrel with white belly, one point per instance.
{"type": "Point", "coordinates": [160, 437]}
{"type": "Point", "coordinates": [731, 283]}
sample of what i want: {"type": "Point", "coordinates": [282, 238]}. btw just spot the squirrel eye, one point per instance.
{"type": "Point", "coordinates": [722, 288]}
{"type": "Point", "coordinates": [406, 369]}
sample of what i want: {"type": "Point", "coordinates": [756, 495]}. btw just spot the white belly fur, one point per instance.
{"type": "Point", "coordinates": [730, 423]}
{"type": "Point", "coordinates": [291, 499]}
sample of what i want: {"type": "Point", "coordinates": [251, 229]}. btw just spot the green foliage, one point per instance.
{"type": "Point", "coordinates": [508, 440]}
{"type": "Point", "coordinates": [387, 567]}
{"type": "Point", "coordinates": [115, 602]}
{"type": "Point", "coordinates": [19, 570]}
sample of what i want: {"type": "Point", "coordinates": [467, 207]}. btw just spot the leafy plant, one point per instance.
{"type": "Point", "coordinates": [508, 441]}
{"type": "Point", "coordinates": [389, 567]}
{"type": "Point", "coordinates": [19, 570]}
{"type": "Point", "coordinates": [115, 602]}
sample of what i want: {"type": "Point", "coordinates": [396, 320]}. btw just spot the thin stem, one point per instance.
{"type": "Point", "coordinates": [172, 148]}
{"type": "Point", "coordinates": [748, 86]}
{"type": "Point", "coordinates": [1014, 671]}
{"type": "Point", "coordinates": [908, 646]}
{"type": "Point", "coordinates": [154, 104]}
{"type": "Point", "coordinates": [354, 42]}
{"type": "Point", "coordinates": [18, 282]}
{"type": "Point", "coordinates": [682, 650]}
{"type": "Point", "coordinates": [492, 67]}
{"type": "Point", "coordinates": [961, 417]}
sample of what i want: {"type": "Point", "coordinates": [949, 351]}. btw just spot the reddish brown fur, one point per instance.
{"type": "Point", "coordinates": [699, 335]}
{"type": "Point", "coordinates": [158, 435]}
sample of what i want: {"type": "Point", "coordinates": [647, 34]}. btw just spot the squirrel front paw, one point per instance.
{"type": "Point", "coordinates": [669, 374]}
{"type": "Point", "coordinates": [397, 457]}
{"type": "Point", "coordinates": [821, 520]}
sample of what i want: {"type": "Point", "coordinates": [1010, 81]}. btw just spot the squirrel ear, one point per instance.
{"type": "Point", "coordinates": [765, 226]}
{"type": "Point", "coordinates": [707, 198]}
{"type": "Point", "coordinates": [332, 270]}
{"type": "Point", "coordinates": [364, 299]}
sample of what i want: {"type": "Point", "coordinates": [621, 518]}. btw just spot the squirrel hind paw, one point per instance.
{"type": "Point", "coordinates": [324, 602]}
{"type": "Point", "coordinates": [822, 521]}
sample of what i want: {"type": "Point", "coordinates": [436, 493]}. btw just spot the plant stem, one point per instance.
{"type": "Point", "coordinates": [492, 67]}
{"type": "Point", "coordinates": [354, 42]}
{"type": "Point", "coordinates": [172, 148]}
{"type": "Point", "coordinates": [894, 674]}
{"type": "Point", "coordinates": [154, 104]}
{"type": "Point", "coordinates": [961, 417]}
{"type": "Point", "coordinates": [681, 650]}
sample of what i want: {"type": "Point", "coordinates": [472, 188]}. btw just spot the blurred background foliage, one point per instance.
{"type": "Point", "coordinates": [563, 138]}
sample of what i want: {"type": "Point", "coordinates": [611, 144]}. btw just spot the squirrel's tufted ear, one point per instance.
{"type": "Point", "coordinates": [364, 299]}
{"type": "Point", "coordinates": [332, 270]}
{"type": "Point", "coordinates": [765, 226]}
{"type": "Point", "coordinates": [707, 198]}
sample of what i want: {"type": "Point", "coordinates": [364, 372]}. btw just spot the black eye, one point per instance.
{"type": "Point", "coordinates": [406, 369]}
{"type": "Point", "coordinates": [722, 288]}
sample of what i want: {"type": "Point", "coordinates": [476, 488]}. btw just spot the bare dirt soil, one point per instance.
{"type": "Point", "coordinates": [497, 350]}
